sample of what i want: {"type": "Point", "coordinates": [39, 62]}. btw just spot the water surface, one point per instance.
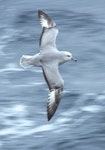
{"type": "Point", "coordinates": [79, 122]}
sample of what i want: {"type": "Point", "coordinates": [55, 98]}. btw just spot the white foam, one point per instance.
{"type": "Point", "coordinates": [11, 67]}
{"type": "Point", "coordinates": [70, 113]}
{"type": "Point", "coordinates": [25, 132]}
{"type": "Point", "coordinates": [62, 120]}
{"type": "Point", "coordinates": [92, 108]}
{"type": "Point", "coordinates": [101, 97]}
{"type": "Point", "coordinates": [19, 108]}
{"type": "Point", "coordinates": [19, 124]}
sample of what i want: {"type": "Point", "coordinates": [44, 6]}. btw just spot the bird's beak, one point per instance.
{"type": "Point", "coordinates": [74, 59]}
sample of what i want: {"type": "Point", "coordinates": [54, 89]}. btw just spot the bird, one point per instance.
{"type": "Point", "coordinates": [49, 60]}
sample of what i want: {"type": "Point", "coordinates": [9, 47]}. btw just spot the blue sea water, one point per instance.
{"type": "Point", "coordinates": [79, 123]}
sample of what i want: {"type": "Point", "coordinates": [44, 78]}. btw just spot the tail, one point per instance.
{"type": "Point", "coordinates": [26, 61]}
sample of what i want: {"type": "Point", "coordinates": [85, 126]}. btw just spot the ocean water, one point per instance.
{"type": "Point", "coordinates": [79, 123]}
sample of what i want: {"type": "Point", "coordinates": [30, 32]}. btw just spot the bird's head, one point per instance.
{"type": "Point", "coordinates": [68, 56]}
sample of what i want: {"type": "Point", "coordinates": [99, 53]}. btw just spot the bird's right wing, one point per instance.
{"type": "Point", "coordinates": [54, 98]}
{"type": "Point", "coordinates": [55, 84]}
{"type": "Point", "coordinates": [52, 76]}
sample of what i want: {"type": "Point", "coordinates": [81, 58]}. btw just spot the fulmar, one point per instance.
{"type": "Point", "coordinates": [49, 59]}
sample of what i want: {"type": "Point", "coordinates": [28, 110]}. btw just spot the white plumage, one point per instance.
{"type": "Point", "coordinates": [49, 60]}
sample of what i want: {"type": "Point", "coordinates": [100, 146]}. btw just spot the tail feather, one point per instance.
{"type": "Point", "coordinates": [26, 61]}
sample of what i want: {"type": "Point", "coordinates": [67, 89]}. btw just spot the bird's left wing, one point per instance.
{"type": "Point", "coordinates": [49, 30]}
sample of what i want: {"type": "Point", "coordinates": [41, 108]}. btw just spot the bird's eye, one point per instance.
{"type": "Point", "coordinates": [68, 55]}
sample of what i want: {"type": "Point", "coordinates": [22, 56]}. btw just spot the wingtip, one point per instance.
{"type": "Point", "coordinates": [54, 98]}
{"type": "Point", "coordinates": [49, 117]}
{"type": "Point", "coordinates": [45, 20]}
{"type": "Point", "coordinates": [40, 12]}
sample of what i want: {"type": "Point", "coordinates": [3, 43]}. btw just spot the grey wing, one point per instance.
{"type": "Point", "coordinates": [49, 30]}
{"type": "Point", "coordinates": [55, 84]}
{"type": "Point", "coordinates": [52, 76]}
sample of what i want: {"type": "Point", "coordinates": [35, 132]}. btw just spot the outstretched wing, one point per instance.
{"type": "Point", "coordinates": [45, 20]}
{"type": "Point", "coordinates": [49, 30]}
{"type": "Point", "coordinates": [55, 84]}
{"type": "Point", "coordinates": [54, 98]}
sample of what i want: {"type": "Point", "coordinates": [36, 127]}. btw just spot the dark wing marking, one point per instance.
{"type": "Point", "coordinates": [53, 102]}
{"type": "Point", "coordinates": [45, 20]}
{"type": "Point", "coordinates": [46, 79]}
{"type": "Point", "coordinates": [55, 84]}
{"type": "Point", "coordinates": [49, 30]}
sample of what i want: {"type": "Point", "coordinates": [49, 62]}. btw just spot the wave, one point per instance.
{"type": "Point", "coordinates": [15, 121]}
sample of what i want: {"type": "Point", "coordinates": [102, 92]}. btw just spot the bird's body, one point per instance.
{"type": "Point", "coordinates": [49, 59]}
